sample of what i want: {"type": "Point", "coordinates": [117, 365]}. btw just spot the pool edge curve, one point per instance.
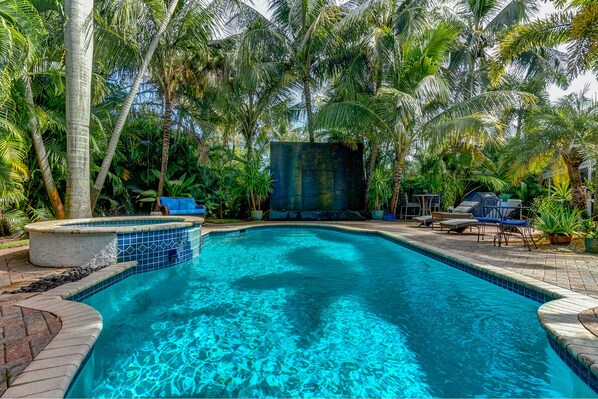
{"type": "Point", "coordinates": [577, 346]}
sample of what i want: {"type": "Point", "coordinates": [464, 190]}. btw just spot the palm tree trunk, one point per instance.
{"type": "Point", "coordinates": [41, 155]}
{"type": "Point", "coordinates": [398, 176]}
{"type": "Point", "coordinates": [578, 191]}
{"type": "Point", "coordinates": [124, 112]}
{"type": "Point", "coordinates": [307, 95]}
{"type": "Point", "coordinates": [78, 41]}
{"type": "Point", "coordinates": [249, 146]}
{"type": "Point", "coordinates": [168, 105]}
{"type": "Point", "coordinates": [373, 159]}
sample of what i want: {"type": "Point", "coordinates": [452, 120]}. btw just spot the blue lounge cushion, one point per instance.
{"type": "Point", "coordinates": [515, 222]}
{"type": "Point", "coordinates": [182, 206]}
{"type": "Point", "coordinates": [186, 203]}
{"type": "Point", "coordinates": [171, 203]}
{"type": "Point", "coordinates": [482, 219]}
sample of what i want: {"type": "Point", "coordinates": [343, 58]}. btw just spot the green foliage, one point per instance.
{"type": "Point", "coordinates": [406, 78]}
{"type": "Point", "coordinates": [13, 244]}
{"type": "Point", "coordinates": [561, 192]}
{"type": "Point", "coordinates": [589, 227]}
{"type": "Point", "coordinates": [556, 217]}
{"type": "Point", "coordinates": [380, 189]}
{"type": "Point", "coordinates": [576, 24]}
{"type": "Point", "coordinates": [256, 182]}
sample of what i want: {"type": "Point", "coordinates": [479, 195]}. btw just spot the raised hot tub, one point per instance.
{"type": "Point", "coordinates": [152, 241]}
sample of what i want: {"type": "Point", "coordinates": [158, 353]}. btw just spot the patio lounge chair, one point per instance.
{"type": "Point", "coordinates": [459, 225]}
{"type": "Point", "coordinates": [460, 212]}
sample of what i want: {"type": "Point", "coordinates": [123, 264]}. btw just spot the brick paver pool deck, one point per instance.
{"type": "Point", "coordinates": [25, 332]}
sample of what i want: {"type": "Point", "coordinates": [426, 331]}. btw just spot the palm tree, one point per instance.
{"type": "Point", "coordinates": [575, 23]}
{"type": "Point", "coordinates": [253, 86]}
{"type": "Point", "coordinates": [481, 22]}
{"type": "Point", "coordinates": [413, 104]}
{"type": "Point", "coordinates": [181, 46]}
{"type": "Point", "coordinates": [78, 41]}
{"type": "Point", "coordinates": [567, 132]}
{"type": "Point", "coordinates": [370, 30]}
{"type": "Point", "coordinates": [307, 28]}
{"type": "Point", "coordinates": [128, 103]}
{"type": "Point", "coordinates": [21, 35]}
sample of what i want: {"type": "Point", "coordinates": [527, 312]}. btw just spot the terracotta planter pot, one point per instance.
{"type": "Point", "coordinates": [592, 245]}
{"type": "Point", "coordinates": [559, 239]}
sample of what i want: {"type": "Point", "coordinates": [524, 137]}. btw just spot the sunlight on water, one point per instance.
{"type": "Point", "coordinates": [316, 313]}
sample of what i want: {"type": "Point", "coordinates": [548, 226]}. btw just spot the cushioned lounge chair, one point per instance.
{"type": "Point", "coordinates": [460, 212]}
{"type": "Point", "coordinates": [459, 225]}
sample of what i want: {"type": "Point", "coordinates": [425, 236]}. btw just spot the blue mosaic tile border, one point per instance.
{"type": "Point", "coordinates": [86, 293]}
{"type": "Point", "coordinates": [575, 365]}
{"type": "Point", "coordinates": [152, 250]}
{"type": "Point", "coordinates": [157, 249]}
{"type": "Point", "coordinates": [517, 288]}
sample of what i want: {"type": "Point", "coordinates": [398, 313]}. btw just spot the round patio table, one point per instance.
{"type": "Point", "coordinates": [425, 203]}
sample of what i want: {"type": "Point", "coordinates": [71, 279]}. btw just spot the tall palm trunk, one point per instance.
{"type": "Point", "coordinates": [78, 40]}
{"type": "Point", "coordinates": [372, 165]}
{"type": "Point", "coordinates": [579, 196]}
{"type": "Point", "coordinates": [42, 156]}
{"type": "Point", "coordinates": [400, 153]}
{"type": "Point", "coordinates": [168, 106]}
{"type": "Point", "coordinates": [307, 95]}
{"type": "Point", "coordinates": [249, 143]}
{"type": "Point", "coordinates": [124, 112]}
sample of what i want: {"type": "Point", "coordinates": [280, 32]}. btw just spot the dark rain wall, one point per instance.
{"type": "Point", "coordinates": [316, 176]}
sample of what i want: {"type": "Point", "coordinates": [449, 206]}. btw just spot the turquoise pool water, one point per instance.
{"type": "Point", "coordinates": [318, 313]}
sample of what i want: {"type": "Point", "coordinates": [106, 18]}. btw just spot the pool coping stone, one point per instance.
{"type": "Point", "coordinates": [63, 226]}
{"type": "Point", "coordinates": [49, 375]}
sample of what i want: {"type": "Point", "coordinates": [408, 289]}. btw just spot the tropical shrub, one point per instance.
{"type": "Point", "coordinates": [257, 183]}
{"type": "Point", "coordinates": [380, 190]}
{"type": "Point", "coordinates": [557, 218]}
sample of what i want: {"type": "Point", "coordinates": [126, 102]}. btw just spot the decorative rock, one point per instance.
{"type": "Point", "coordinates": [56, 280]}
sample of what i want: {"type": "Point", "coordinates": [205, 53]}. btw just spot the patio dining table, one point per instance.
{"type": "Point", "coordinates": [425, 203]}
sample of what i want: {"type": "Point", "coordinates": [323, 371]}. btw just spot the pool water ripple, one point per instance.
{"type": "Point", "coordinates": [316, 313]}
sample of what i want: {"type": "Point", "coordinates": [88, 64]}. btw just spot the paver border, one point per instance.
{"type": "Point", "coordinates": [49, 375]}
{"type": "Point", "coordinates": [51, 372]}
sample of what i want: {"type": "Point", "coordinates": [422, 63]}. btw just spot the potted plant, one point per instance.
{"type": "Point", "coordinates": [379, 192]}
{"type": "Point", "coordinates": [591, 238]}
{"type": "Point", "coordinates": [557, 221]}
{"type": "Point", "coordinates": [504, 199]}
{"type": "Point", "coordinates": [257, 184]}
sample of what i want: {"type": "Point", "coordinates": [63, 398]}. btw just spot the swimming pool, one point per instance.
{"type": "Point", "coordinates": [303, 312]}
